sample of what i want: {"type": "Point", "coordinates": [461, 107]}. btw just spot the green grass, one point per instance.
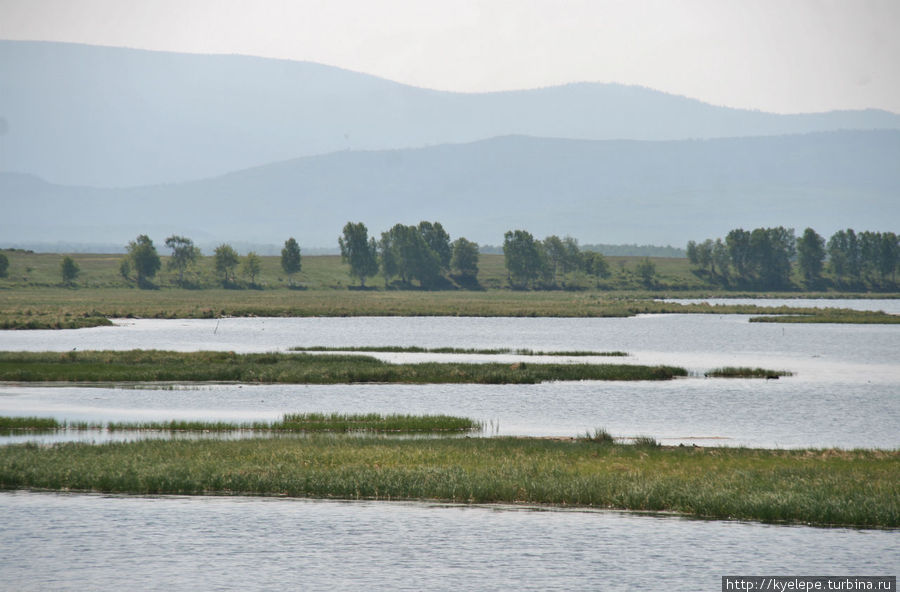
{"type": "Point", "coordinates": [826, 487]}
{"type": "Point", "coordinates": [841, 316]}
{"type": "Point", "coordinates": [740, 372]}
{"type": "Point", "coordinates": [456, 350]}
{"type": "Point", "coordinates": [161, 366]}
{"type": "Point", "coordinates": [28, 423]}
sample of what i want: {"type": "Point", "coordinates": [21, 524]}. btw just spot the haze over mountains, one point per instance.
{"type": "Point", "coordinates": [108, 142]}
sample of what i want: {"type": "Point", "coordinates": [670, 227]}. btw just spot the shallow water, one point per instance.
{"type": "Point", "coordinates": [94, 542]}
{"type": "Point", "coordinates": [845, 391]}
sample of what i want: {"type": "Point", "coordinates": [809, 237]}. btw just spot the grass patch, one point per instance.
{"type": "Point", "coordinates": [739, 372]}
{"type": "Point", "coordinates": [161, 366]}
{"type": "Point", "coordinates": [456, 350]}
{"type": "Point", "coordinates": [827, 487]}
{"type": "Point", "coordinates": [839, 315]}
{"type": "Point", "coordinates": [28, 423]}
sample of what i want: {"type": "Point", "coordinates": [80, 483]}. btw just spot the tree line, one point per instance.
{"type": "Point", "coordinates": [405, 254]}
{"type": "Point", "coordinates": [143, 261]}
{"type": "Point", "coordinates": [765, 258]}
{"type": "Point", "coordinates": [532, 263]}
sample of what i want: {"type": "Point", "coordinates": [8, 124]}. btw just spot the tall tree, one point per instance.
{"type": "Point", "coordinates": [771, 252]}
{"type": "Point", "coordinates": [226, 262]}
{"type": "Point", "coordinates": [844, 255]}
{"type": "Point", "coordinates": [290, 259]}
{"type": "Point", "coordinates": [464, 260]}
{"type": "Point", "coordinates": [738, 243]}
{"type": "Point", "coordinates": [438, 241]}
{"type": "Point", "coordinates": [184, 254]}
{"type": "Point", "coordinates": [69, 270]}
{"type": "Point", "coordinates": [595, 264]}
{"type": "Point", "coordinates": [405, 253]}
{"type": "Point", "coordinates": [811, 256]}
{"type": "Point", "coordinates": [524, 259]}
{"type": "Point", "coordinates": [646, 270]}
{"type": "Point", "coordinates": [144, 258]}
{"type": "Point", "coordinates": [359, 251]}
{"type": "Point", "coordinates": [251, 266]}
{"type": "Point", "coordinates": [888, 256]}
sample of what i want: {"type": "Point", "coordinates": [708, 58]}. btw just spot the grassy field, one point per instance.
{"type": "Point", "coordinates": [826, 487]}
{"type": "Point", "coordinates": [158, 366]}
{"type": "Point", "coordinates": [32, 297]}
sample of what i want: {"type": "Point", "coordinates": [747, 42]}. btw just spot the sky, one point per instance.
{"type": "Point", "coordinates": [783, 56]}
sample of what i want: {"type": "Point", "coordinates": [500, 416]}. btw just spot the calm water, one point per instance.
{"type": "Point", "coordinates": [845, 392]}
{"type": "Point", "coordinates": [92, 542]}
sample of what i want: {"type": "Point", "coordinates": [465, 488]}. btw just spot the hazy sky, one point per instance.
{"type": "Point", "coordinates": [773, 55]}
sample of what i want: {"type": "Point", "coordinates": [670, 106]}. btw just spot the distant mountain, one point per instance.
{"type": "Point", "coordinates": [616, 191]}
{"type": "Point", "coordinates": [106, 117]}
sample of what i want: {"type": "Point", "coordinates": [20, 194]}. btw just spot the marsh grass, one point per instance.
{"type": "Point", "coordinates": [455, 350]}
{"type": "Point", "coordinates": [839, 316]}
{"type": "Point", "coordinates": [292, 422]}
{"type": "Point", "coordinates": [28, 423]}
{"type": "Point", "coordinates": [156, 366]}
{"type": "Point", "coordinates": [826, 487]}
{"type": "Point", "coordinates": [740, 372]}
{"type": "Point", "coordinates": [598, 436]}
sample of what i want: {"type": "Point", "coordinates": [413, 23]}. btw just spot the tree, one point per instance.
{"type": "Point", "coordinates": [438, 241]}
{"type": "Point", "coordinates": [4, 265]}
{"type": "Point", "coordinates": [771, 252]}
{"type": "Point", "coordinates": [524, 258]}
{"type": "Point", "coordinates": [226, 261]}
{"type": "Point", "coordinates": [290, 259]}
{"type": "Point", "coordinates": [69, 270]}
{"type": "Point", "coordinates": [404, 252]}
{"type": "Point", "coordinates": [646, 269]}
{"type": "Point", "coordinates": [464, 260]}
{"type": "Point", "coordinates": [144, 259]}
{"type": "Point", "coordinates": [844, 255]}
{"type": "Point", "coordinates": [811, 256]}
{"type": "Point", "coordinates": [252, 266]}
{"type": "Point", "coordinates": [184, 254]}
{"type": "Point", "coordinates": [125, 267]}
{"type": "Point", "coordinates": [359, 251]}
{"type": "Point", "coordinates": [595, 264]}
{"type": "Point", "coordinates": [888, 255]}
{"type": "Point", "coordinates": [738, 243]}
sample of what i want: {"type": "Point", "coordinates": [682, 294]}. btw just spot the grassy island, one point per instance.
{"type": "Point", "coordinates": [162, 366]}
{"type": "Point", "coordinates": [825, 487]}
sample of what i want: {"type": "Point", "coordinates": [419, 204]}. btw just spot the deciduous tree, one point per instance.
{"type": "Point", "coordinates": [359, 251]}
{"type": "Point", "coordinates": [144, 259]}
{"type": "Point", "coordinates": [290, 259]}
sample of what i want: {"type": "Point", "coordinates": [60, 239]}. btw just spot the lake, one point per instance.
{"type": "Point", "coordinates": [845, 393]}
{"type": "Point", "coordinates": [96, 542]}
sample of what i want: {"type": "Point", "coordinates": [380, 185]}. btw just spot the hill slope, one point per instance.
{"type": "Point", "coordinates": [597, 191]}
{"type": "Point", "coordinates": [101, 116]}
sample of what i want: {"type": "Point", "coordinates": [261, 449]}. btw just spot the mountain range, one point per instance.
{"type": "Point", "coordinates": [109, 142]}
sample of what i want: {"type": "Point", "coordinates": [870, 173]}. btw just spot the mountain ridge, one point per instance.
{"type": "Point", "coordinates": [599, 191]}
{"type": "Point", "coordinates": [117, 117]}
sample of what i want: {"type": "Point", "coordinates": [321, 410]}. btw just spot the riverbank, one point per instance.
{"type": "Point", "coordinates": [823, 487]}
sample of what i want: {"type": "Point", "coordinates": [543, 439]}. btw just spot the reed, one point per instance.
{"type": "Point", "coordinates": [160, 366]}
{"type": "Point", "coordinates": [740, 372]}
{"type": "Point", "coordinates": [840, 316]}
{"type": "Point", "coordinates": [826, 487]}
{"type": "Point", "coordinates": [413, 349]}
{"type": "Point", "coordinates": [28, 423]}
{"type": "Point", "coordinates": [292, 422]}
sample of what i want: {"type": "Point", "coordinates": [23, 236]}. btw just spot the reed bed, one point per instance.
{"type": "Point", "coordinates": [291, 422]}
{"type": "Point", "coordinates": [825, 487]}
{"type": "Point", "coordinates": [160, 366]}
{"type": "Point", "coordinates": [741, 372]}
{"type": "Point", "coordinates": [413, 349]}
{"type": "Point", "coordinates": [840, 316]}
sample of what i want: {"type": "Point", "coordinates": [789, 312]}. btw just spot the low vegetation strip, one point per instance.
{"type": "Point", "coordinates": [292, 422]}
{"type": "Point", "coordinates": [826, 487]}
{"type": "Point", "coordinates": [157, 366]}
{"type": "Point", "coordinates": [739, 372]}
{"type": "Point", "coordinates": [854, 317]}
{"type": "Point", "coordinates": [456, 350]}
